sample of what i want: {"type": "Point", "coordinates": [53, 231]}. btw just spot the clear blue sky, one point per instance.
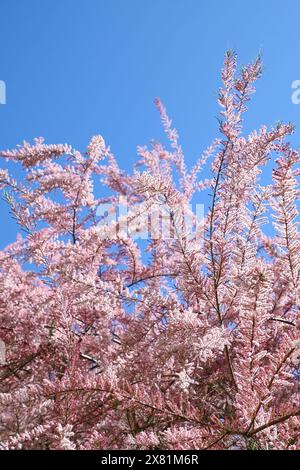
{"type": "Point", "coordinates": [74, 68]}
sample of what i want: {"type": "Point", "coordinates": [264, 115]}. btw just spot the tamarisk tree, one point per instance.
{"type": "Point", "coordinates": [185, 340]}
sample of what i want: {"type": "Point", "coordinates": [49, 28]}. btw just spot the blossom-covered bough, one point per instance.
{"type": "Point", "coordinates": [179, 342]}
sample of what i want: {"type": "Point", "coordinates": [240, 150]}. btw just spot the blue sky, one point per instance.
{"type": "Point", "coordinates": [75, 68]}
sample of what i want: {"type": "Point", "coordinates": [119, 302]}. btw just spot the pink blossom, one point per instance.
{"type": "Point", "coordinates": [173, 343]}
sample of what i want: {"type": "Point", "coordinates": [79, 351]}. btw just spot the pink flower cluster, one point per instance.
{"type": "Point", "coordinates": [169, 344]}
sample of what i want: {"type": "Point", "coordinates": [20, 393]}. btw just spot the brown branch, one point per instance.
{"type": "Point", "coordinates": [280, 419]}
